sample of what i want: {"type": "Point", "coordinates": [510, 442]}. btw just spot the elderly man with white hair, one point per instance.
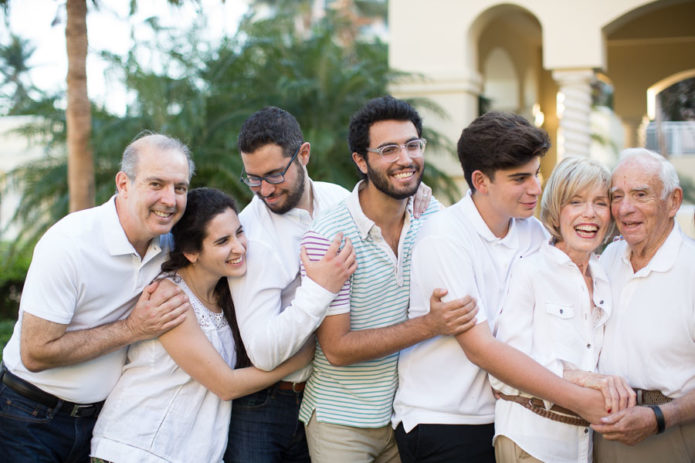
{"type": "Point", "coordinates": [650, 339]}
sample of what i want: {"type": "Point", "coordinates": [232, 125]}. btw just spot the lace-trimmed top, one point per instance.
{"type": "Point", "coordinates": [206, 317]}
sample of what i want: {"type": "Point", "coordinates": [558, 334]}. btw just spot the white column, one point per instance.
{"type": "Point", "coordinates": [574, 112]}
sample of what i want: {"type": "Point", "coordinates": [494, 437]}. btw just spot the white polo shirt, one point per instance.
{"type": "Point", "coordinates": [456, 250]}
{"type": "Point", "coordinates": [547, 314]}
{"type": "Point", "coordinates": [650, 338]}
{"type": "Point", "coordinates": [84, 273]}
{"type": "Point", "coordinates": [276, 315]}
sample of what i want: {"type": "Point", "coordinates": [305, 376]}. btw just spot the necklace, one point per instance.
{"type": "Point", "coordinates": [210, 305]}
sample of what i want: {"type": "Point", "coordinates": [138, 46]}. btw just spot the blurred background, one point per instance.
{"type": "Point", "coordinates": [598, 76]}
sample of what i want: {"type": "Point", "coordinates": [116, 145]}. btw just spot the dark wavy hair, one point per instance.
{"type": "Point", "coordinates": [498, 140]}
{"type": "Point", "coordinates": [203, 205]}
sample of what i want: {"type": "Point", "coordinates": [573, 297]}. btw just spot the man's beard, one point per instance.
{"type": "Point", "coordinates": [294, 194]}
{"type": "Point", "coordinates": [381, 182]}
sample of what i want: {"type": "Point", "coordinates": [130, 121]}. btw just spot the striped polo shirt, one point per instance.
{"type": "Point", "coordinates": [377, 295]}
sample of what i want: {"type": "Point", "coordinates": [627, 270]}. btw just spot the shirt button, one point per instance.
{"type": "Point", "coordinates": [586, 430]}
{"type": "Point", "coordinates": [601, 302]}
{"type": "Point", "coordinates": [588, 346]}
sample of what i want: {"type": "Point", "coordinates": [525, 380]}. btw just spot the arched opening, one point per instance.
{"type": "Point", "coordinates": [509, 59]}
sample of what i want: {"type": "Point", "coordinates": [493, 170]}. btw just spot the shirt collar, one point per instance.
{"type": "Point", "coordinates": [511, 239]}
{"type": "Point", "coordinates": [665, 256]}
{"type": "Point", "coordinates": [114, 236]}
{"type": "Point", "coordinates": [365, 224]}
{"type": "Point", "coordinates": [559, 256]}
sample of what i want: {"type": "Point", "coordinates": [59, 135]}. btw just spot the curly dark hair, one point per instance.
{"type": "Point", "coordinates": [203, 205]}
{"type": "Point", "coordinates": [384, 108]}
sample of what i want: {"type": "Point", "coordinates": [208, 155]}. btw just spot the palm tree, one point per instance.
{"type": "Point", "coordinates": [78, 114]}
{"type": "Point", "coordinates": [205, 93]}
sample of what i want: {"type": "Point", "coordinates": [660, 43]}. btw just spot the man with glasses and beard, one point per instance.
{"type": "Point", "coordinates": [276, 315]}
{"type": "Point", "coordinates": [348, 400]}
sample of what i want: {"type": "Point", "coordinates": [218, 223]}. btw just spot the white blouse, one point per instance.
{"type": "Point", "coordinates": [157, 412]}
{"type": "Point", "coordinates": [548, 315]}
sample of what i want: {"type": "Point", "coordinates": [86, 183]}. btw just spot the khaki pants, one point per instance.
{"type": "Point", "coordinates": [334, 443]}
{"type": "Point", "coordinates": [675, 445]}
{"type": "Point", "coordinates": [507, 451]}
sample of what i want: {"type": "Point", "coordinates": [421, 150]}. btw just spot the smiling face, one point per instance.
{"type": "Point", "coordinates": [151, 203]}
{"type": "Point", "coordinates": [643, 216]}
{"type": "Point", "coordinates": [223, 251]}
{"type": "Point", "coordinates": [269, 159]}
{"type": "Point", "coordinates": [584, 221]}
{"type": "Point", "coordinates": [401, 178]}
{"type": "Point", "coordinates": [514, 192]}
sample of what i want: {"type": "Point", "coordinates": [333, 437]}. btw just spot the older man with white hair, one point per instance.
{"type": "Point", "coordinates": [650, 339]}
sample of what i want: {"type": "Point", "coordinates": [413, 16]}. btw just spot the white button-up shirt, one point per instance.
{"type": "Point", "coordinates": [276, 315]}
{"type": "Point", "coordinates": [456, 250]}
{"type": "Point", "coordinates": [548, 315]}
{"type": "Point", "coordinates": [650, 339]}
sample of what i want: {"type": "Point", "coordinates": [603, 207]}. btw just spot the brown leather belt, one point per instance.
{"type": "Point", "coordinates": [290, 386]}
{"type": "Point", "coordinates": [646, 397]}
{"type": "Point", "coordinates": [556, 412]}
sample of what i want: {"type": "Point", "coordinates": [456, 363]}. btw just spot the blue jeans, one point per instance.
{"type": "Point", "coordinates": [265, 428]}
{"type": "Point", "coordinates": [33, 433]}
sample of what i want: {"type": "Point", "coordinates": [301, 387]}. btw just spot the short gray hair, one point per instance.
{"type": "Point", "coordinates": [129, 162]}
{"type": "Point", "coordinates": [570, 177]}
{"type": "Point", "coordinates": [667, 173]}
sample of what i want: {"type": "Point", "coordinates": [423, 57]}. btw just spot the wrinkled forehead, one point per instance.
{"type": "Point", "coordinates": [637, 173]}
{"type": "Point", "coordinates": [162, 162]}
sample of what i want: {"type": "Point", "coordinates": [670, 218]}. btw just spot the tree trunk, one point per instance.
{"type": "Point", "coordinates": [78, 113]}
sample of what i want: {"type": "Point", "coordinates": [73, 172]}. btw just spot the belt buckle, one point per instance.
{"type": "Point", "coordinates": [76, 411]}
{"type": "Point", "coordinates": [294, 385]}
{"type": "Point", "coordinates": [640, 396]}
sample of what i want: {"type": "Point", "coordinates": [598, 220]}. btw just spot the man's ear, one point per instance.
{"type": "Point", "coordinates": [480, 181]}
{"type": "Point", "coordinates": [122, 184]}
{"type": "Point", "coordinates": [361, 162]}
{"type": "Point", "coordinates": [675, 199]}
{"type": "Point", "coordinates": [304, 153]}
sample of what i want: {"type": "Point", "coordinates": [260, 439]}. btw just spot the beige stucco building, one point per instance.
{"type": "Point", "coordinates": [539, 58]}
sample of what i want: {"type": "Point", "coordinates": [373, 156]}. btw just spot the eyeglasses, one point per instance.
{"type": "Point", "coordinates": [278, 177]}
{"type": "Point", "coordinates": [389, 153]}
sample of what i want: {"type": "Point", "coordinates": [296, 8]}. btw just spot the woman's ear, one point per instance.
{"type": "Point", "coordinates": [191, 256]}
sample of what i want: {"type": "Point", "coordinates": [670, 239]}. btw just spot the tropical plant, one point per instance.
{"type": "Point", "coordinates": [16, 88]}
{"type": "Point", "coordinates": [202, 94]}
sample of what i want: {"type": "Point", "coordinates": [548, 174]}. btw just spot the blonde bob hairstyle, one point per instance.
{"type": "Point", "coordinates": [569, 178]}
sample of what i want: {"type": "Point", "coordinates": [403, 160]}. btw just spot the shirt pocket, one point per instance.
{"type": "Point", "coordinates": [561, 311]}
{"type": "Point", "coordinates": [564, 332]}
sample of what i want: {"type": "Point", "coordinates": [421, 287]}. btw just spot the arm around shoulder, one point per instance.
{"type": "Point", "coordinates": [46, 344]}
{"type": "Point", "coordinates": [192, 351]}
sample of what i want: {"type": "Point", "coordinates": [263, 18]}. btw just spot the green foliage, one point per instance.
{"type": "Point", "coordinates": [6, 327]}
{"type": "Point", "coordinates": [202, 95]}
{"type": "Point", "coordinates": [16, 89]}
{"type": "Point", "coordinates": [12, 275]}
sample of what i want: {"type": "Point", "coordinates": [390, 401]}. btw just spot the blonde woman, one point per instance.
{"type": "Point", "coordinates": [557, 304]}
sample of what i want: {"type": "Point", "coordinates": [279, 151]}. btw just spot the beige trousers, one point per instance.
{"type": "Point", "coordinates": [334, 443]}
{"type": "Point", "coordinates": [507, 451]}
{"type": "Point", "coordinates": [675, 445]}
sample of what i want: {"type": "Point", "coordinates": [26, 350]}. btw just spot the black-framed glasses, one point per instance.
{"type": "Point", "coordinates": [414, 148]}
{"type": "Point", "coordinates": [273, 179]}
